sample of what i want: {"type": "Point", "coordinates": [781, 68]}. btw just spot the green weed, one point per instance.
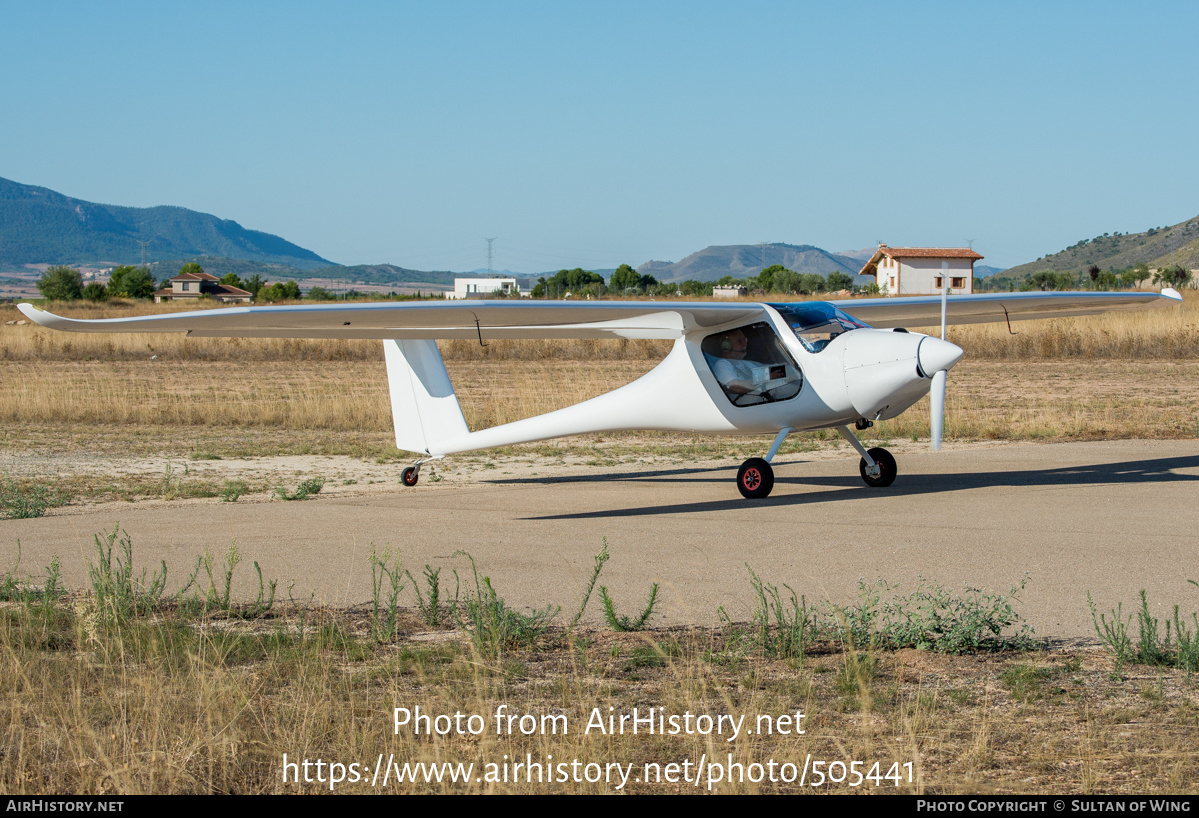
{"type": "Point", "coordinates": [306, 489]}
{"type": "Point", "coordinates": [1178, 648]}
{"type": "Point", "coordinates": [218, 595]}
{"type": "Point", "coordinates": [13, 589]}
{"type": "Point", "coordinates": [600, 559]}
{"type": "Point", "coordinates": [429, 606]}
{"type": "Point", "coordinates": [117, 592]}
{"type": "Point", "coordinates": [1113, 633]}
{"type": "Point", "coordinates": [624, 623]}
{"type": "Point", "coordinates": [492, 625]}
{"type": "Point", "coordinates": [933, 618]}
{"type": "Point", "coordinates": [929, 618]}
{"type": "Point", "coordinates": [25, 502]}
{"type": "Point", "coordinates": [787, 636]}
{"type": "Point", "coordinates": [386, 585]}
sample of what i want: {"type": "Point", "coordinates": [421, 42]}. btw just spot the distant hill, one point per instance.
{"type": "Point", "coordinates": [1156, 247]}
{"type": "Point", "coordinates": [983, 270]}
{"type": "Point", "coordinates": [387, 274]}
{"type": "Point", "coordinates": [747, 260]}
{"type": "Point", "coordinates": [864, 255]}
{"type": "Point", "coordinates": [38, 225]}
{"type": "Point", "coordinates": [220, 265]}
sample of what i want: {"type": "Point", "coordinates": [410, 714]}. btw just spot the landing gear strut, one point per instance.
{"type": "Point", "coordinates": [877, 466]}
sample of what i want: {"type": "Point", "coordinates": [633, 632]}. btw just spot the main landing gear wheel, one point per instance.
{"type": "Point", "coordinates": [887, 469]}
{"type": "Point", "coordinates": [755, 478]}
{"type": "Point", "coordinates": [410, 476]}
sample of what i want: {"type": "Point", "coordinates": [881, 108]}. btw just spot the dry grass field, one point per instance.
{"type": "Point", "coordinates": [1130, 375]}
{"type": "Point", "coordinates": [187, 697]}
{"type": "Point", "coordinates": [106, 694]}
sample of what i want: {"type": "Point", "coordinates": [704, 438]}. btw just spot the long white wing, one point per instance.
{"type": "Point", "coordinates": [488, 320]}
{"type": "Point", "coordinates": [925, 310]}
{"type": "Point", "coordinates": [485, 320]}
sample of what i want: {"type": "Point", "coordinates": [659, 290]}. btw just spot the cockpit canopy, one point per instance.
{"type": "Point", "coordinates": [815, 323]}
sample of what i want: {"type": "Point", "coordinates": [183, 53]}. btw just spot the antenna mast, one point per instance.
{"type": "Point", "coordinates": [489, 241]}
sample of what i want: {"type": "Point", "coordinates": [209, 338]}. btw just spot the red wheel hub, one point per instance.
{"type": "Point", "coordinates": [751, 479]}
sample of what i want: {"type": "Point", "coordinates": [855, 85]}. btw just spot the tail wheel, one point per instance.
{"type": "Point", "coordinates": [887, 469]}
{"type": "Point", "coordinates": [755, 478]}
{"type": "Point", "coordinates": [410, 476]}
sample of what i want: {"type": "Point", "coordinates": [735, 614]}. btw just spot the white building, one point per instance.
{"type": "Point", "coordinates": [729, 292]}
{"type": "Point", "coordinates": [484, 287]}
{"type": "Point", "coordinates": [922, 270]}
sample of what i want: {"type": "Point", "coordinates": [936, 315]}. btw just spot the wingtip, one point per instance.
{"type": "Point", "coordinates": [1172, 294]}
{"type": "Point", "coordinates": [31, 312]}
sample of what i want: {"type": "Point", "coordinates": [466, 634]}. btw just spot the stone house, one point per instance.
{"type": "Point", "coordinates": [194, 285]}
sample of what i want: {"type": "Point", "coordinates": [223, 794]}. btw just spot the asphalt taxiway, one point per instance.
{"type": "Point", "coordinates": [1110, 518]}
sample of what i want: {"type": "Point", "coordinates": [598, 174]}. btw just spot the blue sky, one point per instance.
{"type": "Point", "coordinates": [591, 134]}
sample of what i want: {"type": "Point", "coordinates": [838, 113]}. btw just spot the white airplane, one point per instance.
{"type": "Point", "coordinates": [736, 368]}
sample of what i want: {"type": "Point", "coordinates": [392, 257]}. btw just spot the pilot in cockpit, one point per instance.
{"type": "Point", "coordinates": [731, 369]}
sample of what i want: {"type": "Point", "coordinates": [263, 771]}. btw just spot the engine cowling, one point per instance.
{"type": "Point", "coordinates": [886, 372]}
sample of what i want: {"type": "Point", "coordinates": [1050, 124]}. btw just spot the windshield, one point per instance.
{"type": "Point", "coordinates": [815, 323]}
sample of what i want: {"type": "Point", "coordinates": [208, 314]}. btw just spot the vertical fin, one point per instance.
{"type": "Point", "coordinates": [424, 408]}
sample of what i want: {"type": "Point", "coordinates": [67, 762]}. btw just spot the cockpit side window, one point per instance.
{"type": "Point", "coordinates": [752, 365]}
{"type": "Point", "coordinates": [816, 323]}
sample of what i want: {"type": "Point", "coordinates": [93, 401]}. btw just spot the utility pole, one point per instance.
{"type": "Point", "coordinates": [489, 241]}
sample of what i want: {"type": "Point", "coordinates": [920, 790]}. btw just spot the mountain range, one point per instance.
{"type": "Point", "coordinates": [38, 225]}
{"type": "Point", "coordinates": [41, 226]}
{"type": "Point", "coordinates": [747, 260]}
{"type": "Point", "coordinates": [1157, 247]}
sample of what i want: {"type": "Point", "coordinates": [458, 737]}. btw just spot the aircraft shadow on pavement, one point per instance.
{"type": "Point", "coordinates": [717, 474]}
{"type": "Point", "coordinates": [850, 487]}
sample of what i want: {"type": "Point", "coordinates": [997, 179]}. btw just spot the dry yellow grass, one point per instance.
{"type": "Point", "coordinates": [1129, 375]}
{"type": "Point", "coordinates": [165, 705]}
{"type": "Point", "coordinates": [987, 399]}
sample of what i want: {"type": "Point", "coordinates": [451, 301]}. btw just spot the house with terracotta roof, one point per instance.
{"type": "Point", "coordinates": [194, 285]}
{"type": "Point", "coordinates": [922, 270]}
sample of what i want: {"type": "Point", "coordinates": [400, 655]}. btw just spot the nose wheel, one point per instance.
{"type": "Point", "coordinates": [884, 472]}
{"type": "Point", "coordinates": [877, 465]}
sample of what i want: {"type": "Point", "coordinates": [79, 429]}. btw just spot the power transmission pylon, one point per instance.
{"type": "Point", "coordinates": [489, 241]}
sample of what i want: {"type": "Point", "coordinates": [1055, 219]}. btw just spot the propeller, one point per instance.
{"type": "Point", "coordinates": [938, 407]}
{"type": "Point", "coordinates": [937, 394]}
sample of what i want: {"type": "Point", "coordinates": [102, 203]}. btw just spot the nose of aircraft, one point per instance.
{"type": "Point", "coordinates": [936, 354]}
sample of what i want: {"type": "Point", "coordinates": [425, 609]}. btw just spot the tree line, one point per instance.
{"type": "Point", "coordinates": [1092, 278]}
{"type": "Point", "coordinates": [580, 283]}
{"type": "Point", "coordinates": [62, 283]}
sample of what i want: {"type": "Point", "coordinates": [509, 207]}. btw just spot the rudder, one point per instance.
{"type": "Point", "coordinates": [424, 408]}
